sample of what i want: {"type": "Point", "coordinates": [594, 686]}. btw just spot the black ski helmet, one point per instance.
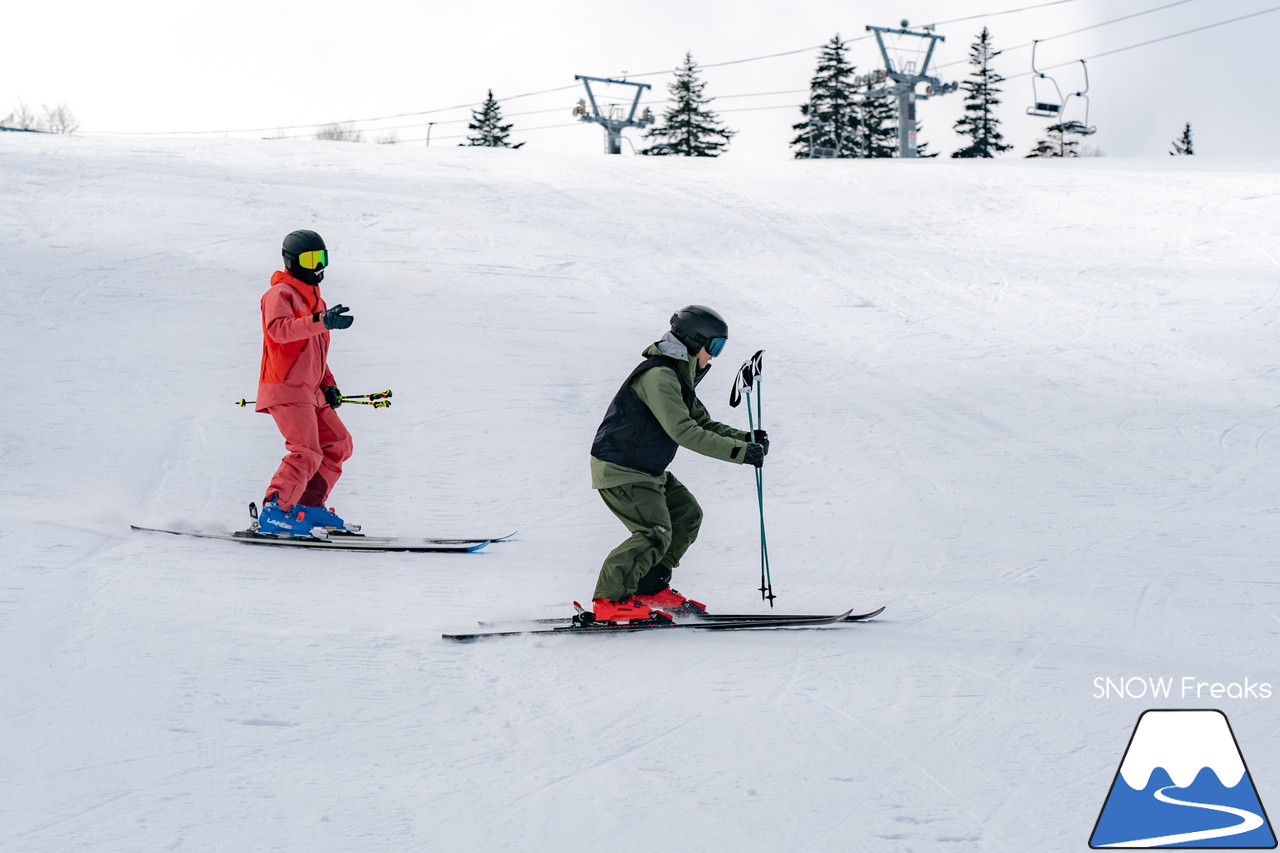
{"type": "Point", "coordinates": [295, 244]}
{"type": "Point", "coordinates": [696, 326]}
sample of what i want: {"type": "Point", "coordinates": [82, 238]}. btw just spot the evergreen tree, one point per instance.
{"type": "Point", "coordinates": [1182, 146]}
{"type": "Point", "coordinates": [831, 116]}
{"type": "Point", "coordinates": [688, 128]}
{"type": "Point", "coordinates": [1042, 148]}
{"type": "Point", "coordinates": [879, 124]}
{"type": "Point", "coordinates": [922, 147]}
{"type": "Point", "coordinates": [979, 122]}
{"type": "Point", "coordinates": [487, 125]}
{"type": "Point", "coordinates": [1056, 144]}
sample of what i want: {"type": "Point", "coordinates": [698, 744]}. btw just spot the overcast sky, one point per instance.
{"type": "Point", "coordinates": [258, 67]}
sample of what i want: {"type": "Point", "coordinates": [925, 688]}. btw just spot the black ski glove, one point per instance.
{"type": "Point", "coordinates": [754, 455]}
{"type": "Point", "coordinates": [333, 318]}
{"type": "Point", "coordinates": [760, 437]}
{"type": "Point", "coordinates": [332, 396]}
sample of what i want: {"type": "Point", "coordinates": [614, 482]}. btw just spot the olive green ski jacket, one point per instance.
{"type": "Point", "coordinates": [659, 389]}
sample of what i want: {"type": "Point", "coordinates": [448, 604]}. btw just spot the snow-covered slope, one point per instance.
{"type": "Point", "coordinates": [1030, 406]}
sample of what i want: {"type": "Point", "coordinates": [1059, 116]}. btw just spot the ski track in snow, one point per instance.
{"type": "Point", "coordinates": [1029, 406]}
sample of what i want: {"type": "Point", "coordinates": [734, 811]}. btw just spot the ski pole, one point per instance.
{"type": "Point", "coordinates": [378, 399]}
{"type": "Point", "coordinates": [757, 374]}
{"type": "Point", "coordinates": [377, 404]}
{"type": "Point", "coordinates": [766, 577]}
{"type": "Point", "coordinates": [746, 382]}
{"type": "Point", "coordinates": [376, 395]}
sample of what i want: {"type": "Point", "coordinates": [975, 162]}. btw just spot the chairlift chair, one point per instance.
{"type": "Point", "coordinates": [1083, 128]}
{"type": "Point", "coordinates": [1044, 107]}
{"type": "Point", "coordinates": [1048, 108]}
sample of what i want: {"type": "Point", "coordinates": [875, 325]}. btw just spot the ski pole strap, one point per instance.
{"type": "Point", "coordinates": [745, 379]}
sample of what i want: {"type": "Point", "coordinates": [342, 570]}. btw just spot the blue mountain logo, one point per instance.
{"type": "Point", "coordinates": [1183, 783]}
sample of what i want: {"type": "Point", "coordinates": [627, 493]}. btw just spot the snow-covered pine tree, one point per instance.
{"type": "Point", "coordinates": [1042, 148]}
{"type": "Point", "coordinates": [879, 124]}
{"type": "Point", "coordinates": [688, 128]}
{"type": "Point", "coordinates": [1182, 145]}
{"type": "Point", "coordinates": [979, 122]}
{"type": "Point", "coordinates": [922, 147]}
{"type": "Point", "coordinates": [1056, 143]}
{"type": "Point", "coordinates": [486, 123]}
{"type": "Point", "coordinates": [832, 118]}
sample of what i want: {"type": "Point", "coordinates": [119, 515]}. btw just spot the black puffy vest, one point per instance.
{"type": "Point", "coordinates": [630, 435]}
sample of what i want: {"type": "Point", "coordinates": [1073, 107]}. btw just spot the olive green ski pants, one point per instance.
{"type": "Point", "coordinates": [663, 520]}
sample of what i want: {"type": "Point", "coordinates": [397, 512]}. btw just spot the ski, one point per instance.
{"type": "Point", "coordinates": [577, 627]}
{"type": "Point", "coordinates": [684, 618]}
{"type": "Point", "coordinates": [730, 617]}
{"type": "Point", "coordinates": [336, 541]}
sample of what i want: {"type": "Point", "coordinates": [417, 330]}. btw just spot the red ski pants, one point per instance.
{"type": "Point", "coordinates": [317, 445]}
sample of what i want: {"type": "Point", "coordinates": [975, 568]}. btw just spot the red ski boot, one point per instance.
{"type": "Point", "coordinates": [672, 602]}
{"type": "Point", "coordinates": [626, 610]}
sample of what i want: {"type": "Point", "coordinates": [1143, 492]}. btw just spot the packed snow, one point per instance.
{"type": "Point", "coordinates": [1032, 407]}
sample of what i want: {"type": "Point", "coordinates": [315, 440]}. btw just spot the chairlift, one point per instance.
{"type": "Point", "coordinates": [1083, 128]}
{"type": "Point", "coordinates": [1055, 105]}
{"type": "Point", "coordinates": [1044, 106]}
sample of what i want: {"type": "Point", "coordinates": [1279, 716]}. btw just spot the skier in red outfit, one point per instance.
{"type": "Point", "coordinates": [297, 389]}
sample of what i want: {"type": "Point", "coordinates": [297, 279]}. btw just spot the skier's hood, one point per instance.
{"type": "Point", "coordinates": [671, 347]}
{"type": "Point", "coordinates": [309, 292]}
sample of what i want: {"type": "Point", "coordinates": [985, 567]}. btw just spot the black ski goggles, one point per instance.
{"type": "Point", "coordinates": [716, 345]}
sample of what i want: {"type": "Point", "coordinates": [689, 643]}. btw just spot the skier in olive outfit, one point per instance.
{"type": "Point", "coordinates": [655, 412]}
{"type": "Point", "coordinates": [296, 388]}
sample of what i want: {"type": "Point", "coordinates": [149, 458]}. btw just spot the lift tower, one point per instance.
{"type": "Point", "coordinates": [905, 78]}
{"type": "Point", "coordinates": [613, 124]}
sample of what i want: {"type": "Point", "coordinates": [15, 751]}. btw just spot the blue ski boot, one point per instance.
{"type": "Point", "coordinates": [318, 516]}
{"type": "Point", "coordinates": [272, 519]}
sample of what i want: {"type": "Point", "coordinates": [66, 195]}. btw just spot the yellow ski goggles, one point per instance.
{"type": "Point", "coordinates": [314, 260]}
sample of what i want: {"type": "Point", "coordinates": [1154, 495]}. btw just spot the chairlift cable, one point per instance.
{"type": "Point", "coordinates": [521, 130]}
{"type": "Point", "coordinates": [1006, 12]}
{"type": "Point", "coordinates": [1154, 41]}
{"type": "Point", "coordinates": [475, 104]}
{"type": "Point", "coordinates": [1011, 77]}
{"type": "Point", "coordinates": [741, 61]}
{"type": "Point", "coordinates": [1077, 32]}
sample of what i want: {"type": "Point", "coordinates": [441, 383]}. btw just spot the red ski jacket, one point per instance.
{"type": "Point", "coordinates": [295, 344]}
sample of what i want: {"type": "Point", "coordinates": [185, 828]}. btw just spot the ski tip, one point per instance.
{"type": "Point", "coordinates": [152, 530]}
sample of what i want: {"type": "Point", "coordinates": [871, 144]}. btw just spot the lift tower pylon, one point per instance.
{"type": "Point", "coordinates": [613, 125]}
{"type": "Point", "coordinates": [906, 78]}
